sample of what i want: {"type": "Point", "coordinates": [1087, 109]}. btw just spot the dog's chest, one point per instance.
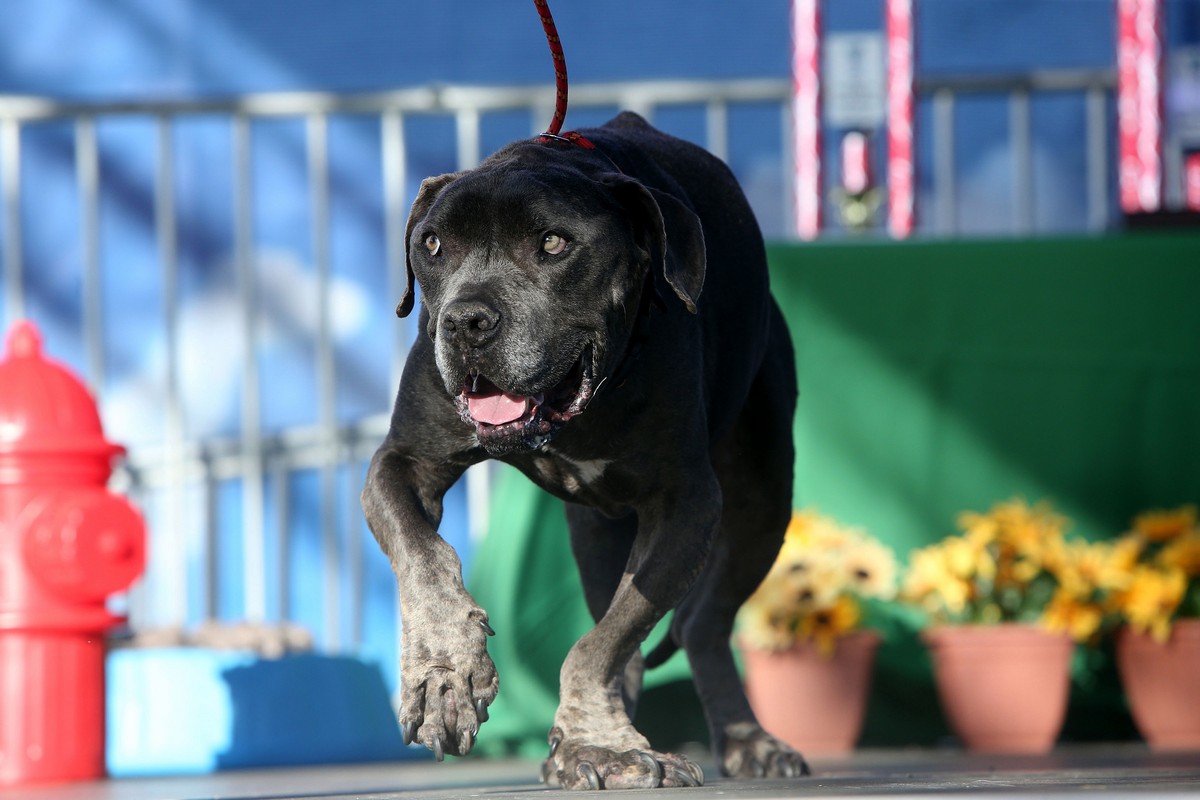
{"type": "Point", "coordinates": [572, 476]}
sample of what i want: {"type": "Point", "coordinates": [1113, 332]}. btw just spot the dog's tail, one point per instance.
{"type": "Point", "coordinates": [662, 651]}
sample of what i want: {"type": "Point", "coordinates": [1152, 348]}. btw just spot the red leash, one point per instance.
{"type": "Point", "coordinates": [560, 83]}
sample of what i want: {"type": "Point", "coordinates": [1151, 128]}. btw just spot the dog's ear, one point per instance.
{"type": "Point", "coordinates": [430, 189]}
{"type": "Point", "coordinates": [672, 232]}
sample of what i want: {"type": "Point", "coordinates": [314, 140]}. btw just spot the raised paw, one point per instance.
{"type": "Point", "coordinates": [447, 683]}
{"type": "Point", "coordinates": [750, 752]}
{"type": "Point", "coordinates": [583, 766]}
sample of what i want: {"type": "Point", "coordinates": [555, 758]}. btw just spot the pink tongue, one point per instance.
{"type": "Point", "coordinates": [496, 409]}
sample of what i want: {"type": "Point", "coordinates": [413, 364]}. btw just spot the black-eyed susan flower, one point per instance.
{"type": "Point", "coordinates": [825, 625]}
{"type": "Point", "coordinates": [813, 592]}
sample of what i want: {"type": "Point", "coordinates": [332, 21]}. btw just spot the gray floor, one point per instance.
{"type": "Point", "coordinates": [1115, 771]}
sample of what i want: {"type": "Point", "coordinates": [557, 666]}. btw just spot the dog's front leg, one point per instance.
{"type": "Point", "coordinates": [593, 743]}
{"type": "Point", "coordinates": [447, 678]}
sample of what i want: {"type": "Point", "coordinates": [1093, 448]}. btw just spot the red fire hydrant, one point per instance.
{"type": "Point", "coordinates": [66, 544]}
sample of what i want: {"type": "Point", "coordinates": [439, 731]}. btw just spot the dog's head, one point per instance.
{"type": "Point", "coordinates": [532, 271]}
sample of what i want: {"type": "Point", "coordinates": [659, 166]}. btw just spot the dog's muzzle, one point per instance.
{"type": "Point", "coordinates": [505, 422]}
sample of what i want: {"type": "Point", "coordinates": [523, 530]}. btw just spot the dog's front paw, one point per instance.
{"type": "Point", "coordinates": [750, 752]}
{"type": "Point", "coordinates": [447, 682]}
{"type": "Point", "coordinates": [578, 765]}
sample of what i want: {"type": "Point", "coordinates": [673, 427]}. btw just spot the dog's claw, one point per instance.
{"type": "Point", "coordinates": [652, 764]}
{"type": "Point", "coordinates": [684, 777]}
{"type": "Point", "coordinates": [694, 769]}
{"type": "Point", "coordinates": [588, 773]}
{"type": "Point", "coordinates": [465, 742]}
{"type": "Point", "coordinates": [555, 741]}
{"type": "Point", "coordinates": [436, 746]}
{"type": "Point", "coordinates": [481, 710]}
{"type": "Point", "coordinates": [409, 732]}
{"type": "Point", "coordinates": [486, 628]}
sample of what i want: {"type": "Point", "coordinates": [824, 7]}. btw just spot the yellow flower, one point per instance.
{"type": "Point", "coordinates": [1182, 553]}
{"type": "Point", "coordinates": [767, 628]}
{"type": "Point", "coordinates": [825, 625]}
{"type": "Point", "coordinates": [799, 525]}
{"type": "Point", "coordinates": [796, 578]}
{"type": "Point", "coordinates": [1160, 526]}
{"type": "Point", "coordinates": [1021, 528]}
{"type": "Point", "coordinates": [1151, 598]}
{"type": "Point", "coordinates": [1126, 552]}
{"type": "Point", "coordinates": [820, 583]}
{"type": "Point", "coordinates": [925, 571]}
{"type": "Point", "coordinates": [827, 536]}
{"type": "Point", "coordinates": [980, 529]}
{"type": "Point", "coordinates": [1082, 567]}
{"type": "Point", "coordinates": [1020, 570]}
{"type": "Point", "coordinates": [770, 594]}
{"type": "Point", "coordinates": [933, 582]}
{"type": "Point", "coordinates": [965, 560]}
{"type": "Point", "coordinates": [811, 590]}
{"type": "Point", "coordinates": [1067, 612]}
{"type": "Point", "coordinates": [984, 574]}
{"type": "Point", "coordinates": [871, 567]}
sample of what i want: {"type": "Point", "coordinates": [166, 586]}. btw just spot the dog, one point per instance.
{"type": "Point", "coordinates": [595, 312]}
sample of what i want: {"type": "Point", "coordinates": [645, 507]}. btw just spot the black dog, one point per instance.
{"type": "Point", "coordinates": [568, 336]}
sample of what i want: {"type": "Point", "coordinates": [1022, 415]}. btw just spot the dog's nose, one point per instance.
{"type": "Point", "coordinates": [470, 321]}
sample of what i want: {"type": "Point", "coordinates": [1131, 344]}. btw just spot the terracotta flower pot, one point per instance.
{"type": "Point", "coordinates": [814, 703]}
{"type": "Point", "coordinates": [1003, 688]}
{"type": "Point", "coordinates": [1162, 683]}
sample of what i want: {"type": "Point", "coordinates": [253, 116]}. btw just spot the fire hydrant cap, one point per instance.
{"type": "Point", "coordinates": [43, 406]}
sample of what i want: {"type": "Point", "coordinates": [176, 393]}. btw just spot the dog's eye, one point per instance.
{"type": "Point", "coordinates": [553, 244]}
{"type": "Point", "coordinates": [433, 244]}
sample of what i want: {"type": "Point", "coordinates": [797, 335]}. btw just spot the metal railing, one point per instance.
{"type": "Point", "coordinates": [178, 476]}
{"type": "Point", "coordinates": [1096, 87]}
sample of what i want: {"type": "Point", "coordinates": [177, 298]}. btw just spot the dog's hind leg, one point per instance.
{"type": "Point", "coordinates": [754, 465]}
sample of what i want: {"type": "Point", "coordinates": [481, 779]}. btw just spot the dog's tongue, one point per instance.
{"type": "Point", "coordinates": [496, 409]}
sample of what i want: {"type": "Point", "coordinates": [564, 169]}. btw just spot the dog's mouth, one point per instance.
{"type": "Point", "coordinates": [504, 421]}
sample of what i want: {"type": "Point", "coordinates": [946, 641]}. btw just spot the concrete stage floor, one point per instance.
{"type": "Point", "coordinates": [1108, 771]}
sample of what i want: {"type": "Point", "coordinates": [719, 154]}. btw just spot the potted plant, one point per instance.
{"type": "Point", "coordinates": [1007, 598]}
{"type": "Point", "coordinates": [808, 657]}
{"type": "Point", "coordinates": [1158, 646]}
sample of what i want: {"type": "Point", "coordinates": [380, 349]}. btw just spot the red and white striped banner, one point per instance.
{"type": "Point", "coordinates": [900, 172]}
{"type": "Point", "coordinates": [1140, 104]}
{"type": "Point", "coordinates": [806, 115]}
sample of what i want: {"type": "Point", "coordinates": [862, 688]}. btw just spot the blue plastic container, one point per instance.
{"type": "Point", "coordinates": [190, 710]}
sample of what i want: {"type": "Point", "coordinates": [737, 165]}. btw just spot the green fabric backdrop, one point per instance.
{"type": "Point", "coordinates": [934, 377]}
